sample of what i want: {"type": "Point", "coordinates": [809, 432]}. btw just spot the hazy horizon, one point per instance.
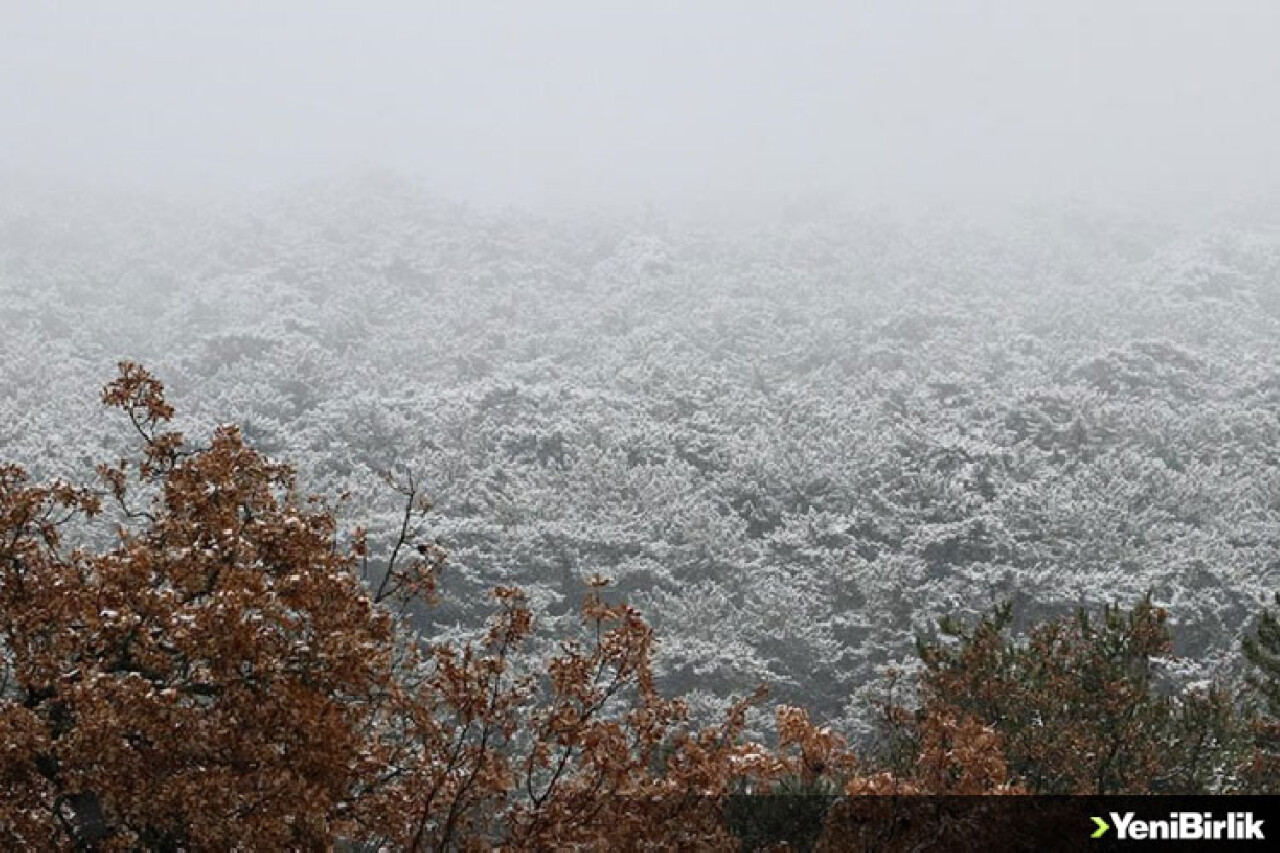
{"type": "Point", "coordinates": [663, 103]}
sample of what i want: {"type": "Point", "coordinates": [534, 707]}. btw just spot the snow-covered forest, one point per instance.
{"type": "Point", "coordinates": [793, 441]}
{"type": "Point", "coordinates": [628, 426]}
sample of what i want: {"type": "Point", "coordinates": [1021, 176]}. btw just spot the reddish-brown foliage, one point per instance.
{"type": "Point", "coordinates": [223, 673]}
{"type": "Point", "coordinates": [229, 672]}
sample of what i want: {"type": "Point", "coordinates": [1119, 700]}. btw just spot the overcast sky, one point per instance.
{"type": "Point", "coordinates": [653, 101]}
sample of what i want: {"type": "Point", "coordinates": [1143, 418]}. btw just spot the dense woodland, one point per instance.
{"type": "Point", "coordinates": [923, 479]}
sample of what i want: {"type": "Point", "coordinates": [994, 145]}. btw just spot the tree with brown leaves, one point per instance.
{"type": "Point", "coordinates": [210, 678]}
{"type": "Point", "coordinates": [228, 671]}
{"type": "Point", "coordinates": [1072, 709]}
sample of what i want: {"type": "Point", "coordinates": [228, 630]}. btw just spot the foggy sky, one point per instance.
{"type": "Point", "coordinates": [607, 101]}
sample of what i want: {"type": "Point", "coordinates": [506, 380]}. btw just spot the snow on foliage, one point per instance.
{"type": "Point", "coordinates": [790, 444]}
